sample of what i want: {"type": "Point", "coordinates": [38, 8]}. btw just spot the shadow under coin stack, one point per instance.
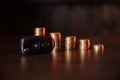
{"type": "Point", "coordinates": [70, 42]}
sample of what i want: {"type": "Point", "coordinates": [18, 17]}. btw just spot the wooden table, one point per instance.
{"type": "Point", "coordinates": [60, 65]}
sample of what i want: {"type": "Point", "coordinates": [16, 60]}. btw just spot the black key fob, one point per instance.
{"type": "Point", "coordinates": [36, 45]}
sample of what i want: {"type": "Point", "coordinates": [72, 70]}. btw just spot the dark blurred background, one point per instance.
{"type": "Point", "coordinates": [70, 17]}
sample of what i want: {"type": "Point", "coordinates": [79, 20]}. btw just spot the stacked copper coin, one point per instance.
{"type": "Point", "coordinates": [70, 42]}
{"type": "Point", "coordinates": [98, 48]}
{"type": "Point", "coordinates": [57, 38]}
{"type": "Point", "coordinates": [84, 43]}
{"type": "Point", "coordinates": [40, 31]}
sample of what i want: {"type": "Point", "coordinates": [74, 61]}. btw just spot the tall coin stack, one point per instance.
{"type": "Point", "coordinates": [70, 42]}
{"type": "Point", "coordinates": [57, 38]}
{"type": "Point", "coordinates": [84, 43]}
{"type": "Point", "coordinates": [40, 31]}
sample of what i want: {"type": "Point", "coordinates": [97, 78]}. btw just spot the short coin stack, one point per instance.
{"type": "Point", "coordinates": [40, 31]}
{"type": "Point", "coordinates": [57, 38]}
{"type": "Point", "coordinates": [98, 48]}
{"type": "Point", "coordinates": [70, 42]}
{"type": "Point", "coordinates": [84, 43]}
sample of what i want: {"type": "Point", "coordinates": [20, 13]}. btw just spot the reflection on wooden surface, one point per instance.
{"type": "Point", "coordinates": [60, 65]}
{"type": "Point", "coordinates": [23, 63]}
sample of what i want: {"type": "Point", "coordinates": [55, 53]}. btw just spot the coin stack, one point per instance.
{"type": "Point", "coordinates": [57, 38]}
{"type": "Point", "coordinates": [84, 43]}
{"type": "Point", "coordinates": [70, 42]}
{"type": "Point", "coordinates": [98, 48]}
{"type": "Point", "coordinates": [40, 31]}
